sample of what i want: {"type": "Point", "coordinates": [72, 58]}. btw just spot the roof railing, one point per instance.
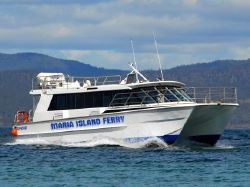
{"type": "Point", "coordinates": [50, 82]}
{"type": "Point", "coordinates": [100, 80]}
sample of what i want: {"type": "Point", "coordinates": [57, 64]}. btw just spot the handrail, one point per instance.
{"type": "Point", "coordinates": [49, 82]}
{"type": "Point", "coordinates": [212, 94]}
{"type": "Point", "coordinates": [100, 80]}
{"type": "Point", "coordinates": [188, 94]}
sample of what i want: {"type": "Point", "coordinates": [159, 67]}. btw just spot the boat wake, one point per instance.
{"type": "Point", "coordinates": [153, 142]}
{"type": "Point", "coordinates": [221, 147]}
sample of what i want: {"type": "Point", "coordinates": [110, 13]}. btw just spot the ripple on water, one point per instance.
{"type": "Point", "coordinates": [108, 162]}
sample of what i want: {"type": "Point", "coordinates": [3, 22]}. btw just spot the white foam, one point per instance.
{"type": "Point", "coordinates": [100, 141]}
{"type": "Point", "coordinates": [36, 141]}
{"type": "Point", "coordinates": [222, 146]}
{"type": "Point", "coordinates": [97, 141]}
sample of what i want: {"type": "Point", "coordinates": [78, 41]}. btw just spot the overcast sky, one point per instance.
{"type": "Point", "coordinates": [99, 32]}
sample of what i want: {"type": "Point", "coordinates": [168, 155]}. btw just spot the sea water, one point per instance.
{"type": "Point", "coordinates": [104, 162]}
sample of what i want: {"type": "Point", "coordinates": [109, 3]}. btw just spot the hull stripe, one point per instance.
{"type": "Point", "coordinates": [169, 139]}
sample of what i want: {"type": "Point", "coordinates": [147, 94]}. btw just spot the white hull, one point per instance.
{"type": "Point", "coordinates": [131, 126]}
{"type": "Point", "coordinates": [206, 123]}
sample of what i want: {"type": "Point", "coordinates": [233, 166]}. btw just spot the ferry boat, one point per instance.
{"type": "Point", "coordinates": [75, 109]}
{"type": "Point", "coordinates": [81, 109]}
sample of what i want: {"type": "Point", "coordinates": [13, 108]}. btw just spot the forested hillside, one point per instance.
{"type": "Point", "coordinates": [40, 62]}
{"type": "Point", "coordinates": [226, 73]}
{"type": "Point", "coordinates": [17, 71]}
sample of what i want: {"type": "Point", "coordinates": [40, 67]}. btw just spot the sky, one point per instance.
{"type": "Point", "coordinates": [99, 32]}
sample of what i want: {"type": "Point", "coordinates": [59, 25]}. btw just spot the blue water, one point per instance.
{"type": "Point", "coordinates": [226, 164]}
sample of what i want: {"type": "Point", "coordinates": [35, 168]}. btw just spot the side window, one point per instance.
{"type": "Point", "coordinates": [97, 99]}
{"type": "Point", "coordinates": [61, 102]}
{"type": "Point", "coordinates": [107, 97]}
{"type": "Point", "coordinates": [71, 101]}
{"type": "Point", "coordinates": [88, 100]}
{"type": "Point", "coordinates": [135, 98]}
{"type": "Point", "coordinates": [170, 96]}
{"type": "Point", "coordinates": [58, 102]}
{"type": "Point", "coordinates": [79, 99]}
{"type": "Point", "coordinates": [53, 103]}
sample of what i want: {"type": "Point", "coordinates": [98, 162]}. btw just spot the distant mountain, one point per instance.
{"type": "Point", "coordinates": [227, 73]}
{"type": "Point", "coordinates": [222, 73]}
{"type": "Point", "coordinates": [40, 62]}
{"type": "Point", "coordinates": [17, 70]}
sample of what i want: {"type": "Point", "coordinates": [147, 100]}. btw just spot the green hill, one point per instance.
{"type": "Point", "coordinates": [17, 71]}
{"type": "Point", "coordinates": [39, 62]}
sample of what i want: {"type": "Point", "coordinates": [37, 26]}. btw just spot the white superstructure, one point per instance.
{"type": "Point", "coordinates": [81, 109]}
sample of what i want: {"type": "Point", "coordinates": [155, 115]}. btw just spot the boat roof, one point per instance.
{"type": "Point", "coordinates": [59, 83]}
{"type": "Point", "coordinates": [156, 83]}
{"type": "Point", "coordinates": [109, 87]}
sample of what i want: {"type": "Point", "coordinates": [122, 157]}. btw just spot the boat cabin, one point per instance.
{"type": "Point", "coordinates": [58, 96]}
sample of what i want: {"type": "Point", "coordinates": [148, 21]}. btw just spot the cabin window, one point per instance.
{"type": "Point", "coordinates": [144, 95]}
{"type": "Point", "coordinates": [71, 101]}
{"type": "Point", "coordinates": [135, 98]}
{"type": "Point", "coordinates": [82, 100]}
{"type": "Point", "coordinates": [61, 102]}
{"type": "Point", "coordinates": [88, 100]}
{"type": "Point", "coordinates": [79, 101]}
{"type": "Point", "coordinates": [107, 98]}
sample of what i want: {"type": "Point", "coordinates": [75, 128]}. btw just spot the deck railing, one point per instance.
{"type": "Point", "coordinates": [100, 80]}
{"type": "Point", "coordinates": [50, 82]}
{"type": "Point", "coordinates": [212, 94]}
{"type": "Point", "coordinates": [191, 94]}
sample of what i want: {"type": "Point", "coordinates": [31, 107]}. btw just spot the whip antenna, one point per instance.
{"type": "Point", "coordinates": [132, 46]}
{"type": "Point", "coordinates": [158, 57]}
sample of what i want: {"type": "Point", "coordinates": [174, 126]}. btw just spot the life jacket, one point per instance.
{"type": "Point", "coordinates": [22, 117]}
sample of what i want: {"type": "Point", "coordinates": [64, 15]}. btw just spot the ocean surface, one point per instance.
{"type": "Point", "coordinates": [103, 162]}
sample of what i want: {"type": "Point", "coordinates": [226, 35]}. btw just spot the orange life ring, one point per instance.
{"type": "Point", "coordinates": [14, 131]}
{"type": "Point", "coordinates": [22, 117]}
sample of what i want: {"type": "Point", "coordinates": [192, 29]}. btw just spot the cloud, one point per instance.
{"type": "Point", "coordinates": [111, 59]}
{"type": "Point", "coordinates": [189, 2]}
{"type": "Point", "coordinates": [240, 52]}
{"type": "Point", "coordinates": [239, 3]}
{"type": "Point", "coordinates": [187, 31]}
{"type": "Point", "coordinates": [99, 58]}
{"type": "Point", "coordinates": [35, 2]}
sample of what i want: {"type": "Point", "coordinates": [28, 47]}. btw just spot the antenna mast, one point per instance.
{"type": "Point", "coordinates": [132, 46]}
{"type": "Point", "coordinates": [158, 56]}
